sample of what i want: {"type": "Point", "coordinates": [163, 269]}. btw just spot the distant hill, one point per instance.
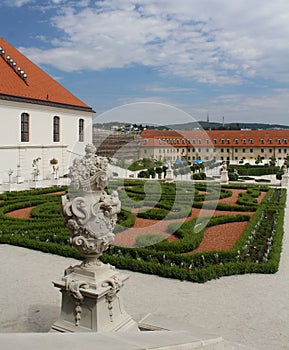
{"type": "Point", "coordinates": [228, 126]}
{"type": "Point", "coordinates": [200, 124]}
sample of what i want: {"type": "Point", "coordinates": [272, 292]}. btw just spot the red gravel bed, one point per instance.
{"type": "Point", "coordinates": [23, 213]}
{"type": "Point", "coordinates": [221, 237]}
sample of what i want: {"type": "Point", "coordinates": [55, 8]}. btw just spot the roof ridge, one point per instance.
{"type": "Point", "coordinates": [39, 85]}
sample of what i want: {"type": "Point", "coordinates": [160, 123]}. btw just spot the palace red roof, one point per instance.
{"type": "Point", "coordinates": [217, 138]}
{"type": "Point", "coordinates": [22, 80]}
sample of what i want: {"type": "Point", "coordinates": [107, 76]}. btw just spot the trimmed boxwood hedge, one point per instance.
{"type": "Point", "coordinates": [46, 232]}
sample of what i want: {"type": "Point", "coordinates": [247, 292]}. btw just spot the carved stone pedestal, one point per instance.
{"type": "Point", "coordinates": [91, 301]}
{"type": "Point", "coordinates": [224, 177]}
{"type": "Point", "coordinates": [284, 180]}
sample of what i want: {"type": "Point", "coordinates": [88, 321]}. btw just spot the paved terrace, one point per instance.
{"type": "Point", "coordinates": [249, 309]}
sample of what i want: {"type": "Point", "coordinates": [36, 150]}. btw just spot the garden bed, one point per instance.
{"type": "Point", "coordinates": [232, 241]}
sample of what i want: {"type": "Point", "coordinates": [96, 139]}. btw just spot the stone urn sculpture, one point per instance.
{"type": "Point", "coordinates": [91, 291]}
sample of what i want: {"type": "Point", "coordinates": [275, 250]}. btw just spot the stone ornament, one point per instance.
{"type": "Point", "coordinates": [89, 211]}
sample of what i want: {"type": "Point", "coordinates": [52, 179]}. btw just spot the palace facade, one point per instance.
{"type": "Point", "coordinates": [225, 145]}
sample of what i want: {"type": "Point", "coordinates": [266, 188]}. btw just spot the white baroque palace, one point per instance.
{"type": "Point", "coordinates": [40, 119]}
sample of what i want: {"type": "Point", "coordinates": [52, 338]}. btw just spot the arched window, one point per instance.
{"type": "Point", "coordinates": [56, 129]}
{"type": "Point", "coordinates": [81, 130]}
{"type": "Point", "coordinates": [24, 127]}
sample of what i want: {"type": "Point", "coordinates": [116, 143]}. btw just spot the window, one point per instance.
{"type": "Point", "coordinates": [251, 141]}
{"type": "Point", "coordinates": [193, 141]}
{"type": "Point", "coordinates": [270, 141]}
{"type": "Point", "coordinates": [262, 141]}
{"type": "Point", "coordinates": [279, 150]}
{"type": "Point", "coordinates": [279, 141]}
{"type": "Point", "coordinates": [244, 141]}
{"type": "Point", "coordinates": [228, 141]}
{"type": "Point", "coordinates": [56, 129]}
{"type": "Point", "coordinates": [81, 131]}
{"type": "Point", "coordinates": [244, 150]}
{"type": "Point", "coordinates": [251, 150]}
{"type": "Point", "coordinates": [285, 141]}
{"type": "Point", "coordinates": [214, 141]}
{"type": "Point", "coordinates": [222, 141]}
{"type": "Point", "coordinates": [199, 141]}
{"type": "Point", "coordinates": [236, 150]}
{"type": "Point", "coordinates": [262, 150]}
{"type": "Point", "coordinates": [24, 127]}
{"type": "Point", "coordinates": [236, 141]}
{"type": "Point", "coordinates": [207, 141]}
{"type": "Point", "coordinates": [270, 150]}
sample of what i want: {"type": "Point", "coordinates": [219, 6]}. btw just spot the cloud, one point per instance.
{"type": "Point", "coordinates": [207, 41]}
{"type": "Point", "coordinates": [17, 3]}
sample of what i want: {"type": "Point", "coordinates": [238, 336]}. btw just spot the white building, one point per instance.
{"type": "Point", "coordinates": [39, 118]}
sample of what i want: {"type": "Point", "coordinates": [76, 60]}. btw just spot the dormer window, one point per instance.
{"type": "Point", "coordinates": [236, 141]}
{"type": "Point", "coordinates": [251, 141]}
{"type": "Point", "coordinates": [285, 141]}
{"type": "Point", "coordinates": [270, 141]}
{"type": "Point", "coordinates": [279, 141]}
{"type": "Point", "coordinates": [222, 141]}
{"type": "Point", "coordinates": [214, 141]}
{"type": "Point", "coordinates": [199, 141]}
{"type": "Point", "coordinates": [244, 141]}
{"type": "Point", "coordinates": [262, 141]}
{"type": "Point", "coordinates": [228, 141]}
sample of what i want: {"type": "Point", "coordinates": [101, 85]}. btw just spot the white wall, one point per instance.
{"type": "Point", "coordinates": [14, 152]}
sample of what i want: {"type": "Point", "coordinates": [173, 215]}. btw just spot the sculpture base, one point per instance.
{"type": "Point", "coordinates": [284, 180]}
{"type": "Point", "coordinates": [91, 301]}
{"type": "Point", "coordinates": [224, 177]}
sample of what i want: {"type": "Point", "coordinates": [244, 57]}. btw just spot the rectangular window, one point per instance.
{"type": "Point", "coordinates": [24, 127]}
{"type": "Point", "coordinates": [81, 130]}
{"type": "Point", "coordinates": [56, 129]}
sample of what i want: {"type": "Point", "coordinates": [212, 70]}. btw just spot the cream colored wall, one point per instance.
{"type": "Point", "coordinates": [14, 152]}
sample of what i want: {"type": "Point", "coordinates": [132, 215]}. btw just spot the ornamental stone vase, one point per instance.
{"type": "Point", "coordinates": [91, 291]}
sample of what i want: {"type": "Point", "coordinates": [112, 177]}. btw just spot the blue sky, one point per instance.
{"type": "Point", "coordinates": [225, 58]}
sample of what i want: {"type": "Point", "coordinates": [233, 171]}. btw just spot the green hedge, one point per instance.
{"type": "Point", "coordinates": [46, 232]}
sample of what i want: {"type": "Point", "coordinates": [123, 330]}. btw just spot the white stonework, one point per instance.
{"type": "Point", "coordinates": [91, 291]}
{"type": "Point", "coordinates": [13, 152]}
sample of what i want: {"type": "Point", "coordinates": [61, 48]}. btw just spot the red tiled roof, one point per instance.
{"type": "Point", "coordinates": [217, 138]}
{"type": "Point", "coordinates": [38, 87]}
